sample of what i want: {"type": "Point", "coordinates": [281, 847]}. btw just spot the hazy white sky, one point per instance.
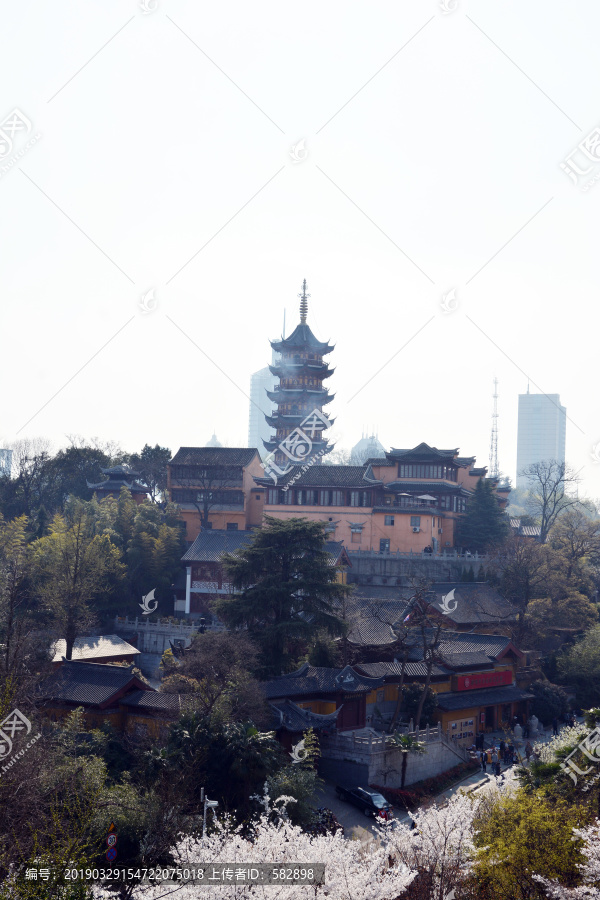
{"type": "Point", "coordinates": [431, 162]}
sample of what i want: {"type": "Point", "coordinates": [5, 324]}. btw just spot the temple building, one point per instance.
{"type": "Point", "coordinates": [299, 420]}
{"type": "Point", "coordinates": [119, 477]}
{"type": "Point", "coordinates": [408, 501]}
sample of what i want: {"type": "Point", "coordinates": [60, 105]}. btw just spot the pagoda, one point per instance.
{"type": "Point", "coordinates": [300, 395]}
{"type": "Point", "coordinates": [119, 477]}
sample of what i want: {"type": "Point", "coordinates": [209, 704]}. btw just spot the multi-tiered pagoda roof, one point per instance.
{"type": "Point", "coordinates": [300, 395]}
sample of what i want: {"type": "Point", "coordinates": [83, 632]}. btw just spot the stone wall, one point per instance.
{"type": "Point", "coordinates": [385, 768]}
{"type": "Point", "coordinates": [367, 762]}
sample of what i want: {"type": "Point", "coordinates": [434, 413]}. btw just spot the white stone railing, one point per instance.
{"type": "Point", "coordinates": [378, 742]}
{"type": "Point", "coordinates": [139, 624]}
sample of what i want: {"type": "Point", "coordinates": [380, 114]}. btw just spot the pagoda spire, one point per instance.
{"type": "Point", "coordinates": [303, 303]}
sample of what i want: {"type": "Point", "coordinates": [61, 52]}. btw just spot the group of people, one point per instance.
{"type": "Point", "coordinates": [505, 753]}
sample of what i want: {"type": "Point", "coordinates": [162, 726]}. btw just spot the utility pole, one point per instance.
{"type": "Point", "coordinates": [494, 439]}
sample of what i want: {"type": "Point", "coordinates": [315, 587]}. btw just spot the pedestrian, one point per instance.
{"type": "Point", "coordinates": [528, 750]}
{"type": "Point", "coordinates": [502, 748]}
{"type": "Point", "coordinates": [483, 757]}
{"type": "Point", "coordinates": [498, 769]}
{"type": "Point", "coordinates": [554, 726]}
{"type": "Point", "coordinates": [526, 730]}
{"type": "Point", "coordinates": [494, 757]}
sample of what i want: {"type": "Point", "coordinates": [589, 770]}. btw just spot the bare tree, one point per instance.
{"type": "Point", "coordinates": [548, 482]}
{"type": "Point", "coordinates": [207, 488]}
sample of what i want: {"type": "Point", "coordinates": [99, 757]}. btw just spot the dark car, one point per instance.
{"type": "Point", "coordinates": [371, 803]}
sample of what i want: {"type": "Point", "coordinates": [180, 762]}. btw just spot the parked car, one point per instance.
{"type": "Point", "coordinates": [371, 803]}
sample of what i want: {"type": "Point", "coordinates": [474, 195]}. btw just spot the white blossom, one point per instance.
{"type": "Point", "coordinates": [590, 869]}
{"type": "Point", "coordinates": [353, 871]}
{"type": "Point", "coordinates": [441, 843]}
{"type": "Point", "coordinates": [566, 740]}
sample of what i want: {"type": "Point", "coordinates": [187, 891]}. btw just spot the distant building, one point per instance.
{"type": "Point", "coordinates": [214, 442]}
{"type": "Point", "coordinates": [5, 463]}
{"type": "Point", "coordinates": [369, 447]}
{"type": "Point", "coordinates": [261, 382]}
{"type": "Point", "coordinates": [217, 485]}
{"type": "Point", "coordinates": [119, 477]}
{"type": "Point", "coordinates": [407, 501]}
{"type": "Point", "coordinates": [541, 431]}
{"type": "Point", "coordinates": [300, 395]}
{"type": "Point", "coordinates": [205, 580]}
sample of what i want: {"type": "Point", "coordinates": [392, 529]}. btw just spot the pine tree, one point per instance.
{"type": "Point", "coordinates": [484, 525]}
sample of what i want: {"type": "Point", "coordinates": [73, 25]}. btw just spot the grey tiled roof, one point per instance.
{"type": "Point", "coordinates": [210, 545]}
{"type": "Point", "coordinates": [153, 700]}
{"type": "Point", "coordinates": [318, 679]}
{"type": "Point", "coordinates": [325, 476]}
{"type": "Point", "coordinates": [392, 669]}
{"type": "Point", "coordinates": [291, 717]}
{"type": "Point", "coordinates": [487, 697]}
{"type": "Point", "coordinates": [424, 451]}
{"type": "Point", "coordinates": [214, 456]}
{"type": "Point", "coordinates": [463, 659]}
{"type": "Point", "coordinates": [87, 683]}
{"type": "Point", "coordinates": [94, 647]}
{"type": "Point", "coordinates": [380, 461]}
{"type": "Point", "coordinates": [301, 337]}
{"type": "Point", "coordinates": [475, 603]}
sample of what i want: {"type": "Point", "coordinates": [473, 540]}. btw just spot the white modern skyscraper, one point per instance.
{"type": "Point", "coordinates": [5, 462]}
{"type": "Point", "coordinates": [541, 431]}
{"type": "Point", "coordinates": [260, 406]}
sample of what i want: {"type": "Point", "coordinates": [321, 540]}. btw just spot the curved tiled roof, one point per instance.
{"type": "Point", "coordinates": [210, 545]}
{"type": "Point", "coordinates": [318, 679]}
{"type": "Point", "coordinates": [292, 717]}
{"type": "Point", "coordinates": [301, 338]}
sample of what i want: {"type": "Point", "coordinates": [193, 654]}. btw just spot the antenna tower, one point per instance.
{"type": "Point", "coordinates": [494, 472]}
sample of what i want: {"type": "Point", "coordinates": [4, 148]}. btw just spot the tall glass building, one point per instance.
{"type": "Point", "coordinates": [541, 431]}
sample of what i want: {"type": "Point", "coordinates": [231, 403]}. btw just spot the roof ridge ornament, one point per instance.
{"type": "Point", "coordinates": [303, 303]}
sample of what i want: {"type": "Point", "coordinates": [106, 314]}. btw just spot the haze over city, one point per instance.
{"type": "Point", "coordinates": [217, 158]}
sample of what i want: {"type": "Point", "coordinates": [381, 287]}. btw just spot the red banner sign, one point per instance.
{"type": "Point", "coordinates": [483, 680]}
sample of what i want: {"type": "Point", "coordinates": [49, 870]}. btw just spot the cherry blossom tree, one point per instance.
{"type": "Point", "coordinates": [590, 869]}
{"type": "Point", "coordinates": [440, 846]}
{"type": "Point", "coordinates": [352, 870]}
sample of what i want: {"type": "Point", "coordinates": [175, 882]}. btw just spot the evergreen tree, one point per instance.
{"type": "Point", "coordinates": [484, 525]}
{"type": "Point", "coordinates": [289, 590]}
